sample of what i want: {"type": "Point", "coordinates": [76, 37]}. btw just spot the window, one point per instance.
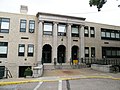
{"type": "Point", "coordinates": [23, 25]}
{"type": "Point", "coordinates": [108, 52]}
{"type": "Point", "coordinates": [21, 50]}
{"type": "Point", "coordinates": [103, 34]}
{"type": "Point", "coordinates": [4, 25]}
{"type": "Point", "coordinates": [118, 53]}
{"type": "Point", "coordinates": [92, 51]}
{"type": "Point", "coordinates": [111, 52]}
{"type": "Point", "coordinates": [112, 35]}
{"type": "Point", "coordinates": [109, 34]}
{"type": "Point", "coordinates": [75, 31]}
{"type": "Point", "coordinates": [117, 35]}
{"type": "Point", "coordinates": [92, 32]}
{"type": "Point", "coordinates": [31, 26]}
{"type": "Point", "coordinates": [3, 49]}
{"type": "Point", "coordinates": [86, 51]}
{"type": "Point", "coordinates": [61, 30]}
{"type": "Point", "coordinates": [30, 49]}
{"type": "Point", "coordinates": [48, 28]}
{"type": "Point", "coordinates": [86, 33]}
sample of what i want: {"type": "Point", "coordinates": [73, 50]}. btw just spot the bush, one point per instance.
{"type": "Point", "coordinates": [28, 72]}
{"type": "Point", "coordinates": [114, 69]}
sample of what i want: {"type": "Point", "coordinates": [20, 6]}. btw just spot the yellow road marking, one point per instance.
{"type": "Point", "coordinates": [72, 78]}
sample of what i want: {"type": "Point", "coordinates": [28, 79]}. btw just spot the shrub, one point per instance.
{"type": "Point", "coordinates": [28, 72]}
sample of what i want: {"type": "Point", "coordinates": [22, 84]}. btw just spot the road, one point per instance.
{"type": "Point", "coordinates": [80, 84]}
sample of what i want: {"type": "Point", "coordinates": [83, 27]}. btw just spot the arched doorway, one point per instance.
{"type": "Point", "coordinates": [46, 53]}
{"type": "Point", "coordinates": [61, 53]}
{"type": "Point", "coordinates": [75, 54]}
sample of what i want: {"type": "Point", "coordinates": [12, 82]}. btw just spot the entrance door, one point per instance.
{"type": "Point", "coordinates": [46, 54]}
{"type": "Point", "coordinates": [22, 70]}
{"type": "Point", "coordinates": [61, 54]}
{"type": "Point", "coordinates": [75, 53]}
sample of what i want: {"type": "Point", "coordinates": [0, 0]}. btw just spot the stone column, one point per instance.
{"type": "Point", "coordinates": [69, 42]}
{"type": "Point", "coordinates": [39, 42]}
{"type": "Point", "coordinates": [54, 49]}
{"type": "Point", "coordinates": [82, 52]}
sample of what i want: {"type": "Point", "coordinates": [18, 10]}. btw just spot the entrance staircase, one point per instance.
{"type": "Point", "coordinates": [63, 66]}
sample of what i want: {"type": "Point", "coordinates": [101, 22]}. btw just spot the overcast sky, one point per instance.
{"type": "Point", "coordinates": [110, 13]}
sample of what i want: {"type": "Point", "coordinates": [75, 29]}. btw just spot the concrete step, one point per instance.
{"type": "Point", "coordinates": [64, 66]}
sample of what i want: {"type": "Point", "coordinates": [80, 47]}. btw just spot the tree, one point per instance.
{"type": "Point", "coordinates": [98, 3]}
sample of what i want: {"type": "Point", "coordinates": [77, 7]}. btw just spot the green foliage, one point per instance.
{"type": "Point", "coordinates": [98, 3]}
{"type": "Point", "coordinates": [114, 69]}
{"type": "Point", "coordinates": [28, 72]}
{"type": "Point", "coordinates": [94, 2]}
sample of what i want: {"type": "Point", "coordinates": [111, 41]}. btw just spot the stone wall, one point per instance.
{"type": "Point", "coordinates": [103, 68]}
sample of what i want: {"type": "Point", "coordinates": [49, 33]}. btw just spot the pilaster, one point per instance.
{"type": "Point", "coordinates": [82, 51]}
{"type": "Point", "coordinates": [69, 42]}
{"type": "Point", "coordinates": [54, 50]}
{"type": "Point", "coordinates": [39, 41]}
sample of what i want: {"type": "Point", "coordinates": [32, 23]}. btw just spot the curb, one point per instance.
{"type": "Point", "coordinates": [54, 80]}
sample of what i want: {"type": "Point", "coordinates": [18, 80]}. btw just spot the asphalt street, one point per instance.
{"type": "Point", "coordinates": [80, 84]}
{"type": "Point", "coordinates": [83, 79]}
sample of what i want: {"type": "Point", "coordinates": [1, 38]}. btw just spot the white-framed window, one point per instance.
{"type": "Point", "coordinates": [30, 50]}
{"type": "Point", "coordinates": [4, 25]}
{"type": "Point", "coordinates": [112, 35]}
{"type": "Point", "coordinates": [21, 50]}
{"type": "Point", "coordinates": [61, 30]}
{"type": "Point", "coordinates": [48, 27]}
{"type": "Point", "coordinates": [103, 34]}
{"type": "Point", "coordinates": [117, 35]}
{"type": "Point", "coordinates": [92, 31]}
{"type": "Point", "coordinates": [3, 49]}
{"type": "Point", "coordinates": [108, 34]}
{"type": "Point", "coordinates": [86, 31]}
{"type": "Point", "coordinates": [31, 26]}
{"type": "Point", "coordinates": [75, 31]}
{"type": "Point", "coordinates": [23, 25]}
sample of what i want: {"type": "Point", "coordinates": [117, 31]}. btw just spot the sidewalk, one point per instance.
{"type": "Point", "coordinates": [66, 73]}
{"type": "Point", "coordinates": [74, 72]}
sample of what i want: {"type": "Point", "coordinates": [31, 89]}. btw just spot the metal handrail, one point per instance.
{"type": "Point", "coordinates": [104, 61]}
{"type": "Point", "coordinates": [8, 73]}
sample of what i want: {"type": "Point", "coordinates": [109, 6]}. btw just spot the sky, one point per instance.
{"type": "Point", "coordinates": [109, 14]}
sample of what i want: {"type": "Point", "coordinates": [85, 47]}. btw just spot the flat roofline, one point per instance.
{"type": "Point", "coordinates": [59, 15]}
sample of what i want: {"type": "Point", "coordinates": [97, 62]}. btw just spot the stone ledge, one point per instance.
{"type": "Point", "coordinates": [103, 68]}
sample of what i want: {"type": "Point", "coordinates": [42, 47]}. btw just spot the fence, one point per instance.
{"type": "Point", "coordinates": [104, 61]}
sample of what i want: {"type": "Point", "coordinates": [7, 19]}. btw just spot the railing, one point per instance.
{"type": "Point", "coordinates": [8, 73]}
{"type": "Point", "coordinates": [5, 73]}
{"type": "Point", "coordinates": [104, 61]}
{"type": "Point", "coordinates": [115, 63]}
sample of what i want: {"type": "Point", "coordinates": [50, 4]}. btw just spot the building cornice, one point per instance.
{"type": "Point", "coordinates": [59, 15]}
